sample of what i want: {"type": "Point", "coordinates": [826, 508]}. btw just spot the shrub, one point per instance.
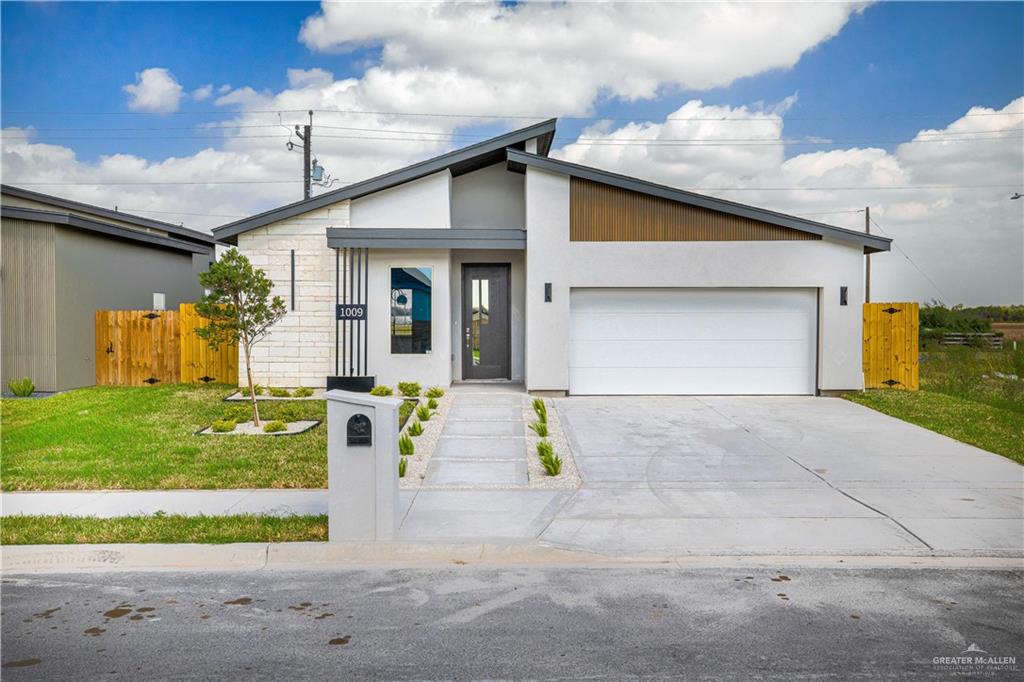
{"type": "Point", "coordinates": [415, 429]}
{"type": "Point", "coordinates": [257, 388]}
{"type": "Point", "coordinates": [402, 464]}
{"type": "Point", "coordinates": [434, 392]}
{"type": "Point", "coordinates": [432, 404]}
{"type": "Point", "coordinates": [540, 428]}
{"type": "Point", "coordinates": [279, 392]}
{"type": "Point", "coordinates": [302, 392]}
{"type": "Point", "coordinates": [409, 389]}
{"type": "Point", "coordinates": [223, 426]}
{"type": "Point", "coordinates": [22, 388]}
{"type": "Point", "coordinates": [552, 463]}
{"type": "Point", "coordinates": [541, 409]}
{"type": "Point", "coordinates": [405, 445]}
{"type": "Point", "coordinates": [423, 413]}
{"type": "Point", "coordinates": [275, 426]}
{"type": "Point", "coordinates": [381, 390]}
{"type": "Point", "coordinates": [237, 414]}
{"type": "Point", "coordinates": [404, 411]}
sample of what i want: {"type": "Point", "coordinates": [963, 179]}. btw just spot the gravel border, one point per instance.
{"type": "Point", "coordinates": [425, 443]}
{"type": "Point", "coordinates": [237, 397]}
{"type": "Point", "coordinates": [569, 478]}
{"type": "Point", "coordinates": [247, 429]}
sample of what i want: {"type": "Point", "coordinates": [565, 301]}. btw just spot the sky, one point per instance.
{"type": "Point", "coordinates": [175, 110]}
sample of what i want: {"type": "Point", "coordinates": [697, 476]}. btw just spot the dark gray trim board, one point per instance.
{"type": "Point", "coordinates": [458, 162]}
{"type": "Point", "coordinates": [518, 161]}
{"type": "Point", "coordinates": [60, 202]}
{"type": "Point", "coordinates": [114, 231]}
{"type": "Point", "coordinates": [425, 238]}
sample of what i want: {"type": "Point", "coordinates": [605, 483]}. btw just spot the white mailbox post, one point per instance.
{"type": "Point", "coordinates": [362, 466]}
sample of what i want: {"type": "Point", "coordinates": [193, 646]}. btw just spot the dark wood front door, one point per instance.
{"type": "Point", "coordinates": [486, 341]}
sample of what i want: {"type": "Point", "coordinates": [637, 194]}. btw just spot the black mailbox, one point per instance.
{"type": "Point", "coordinates": [360, 431]}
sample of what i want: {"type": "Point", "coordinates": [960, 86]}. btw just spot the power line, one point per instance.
{"type": "Point", "coordinates": [500, 117]}
{"type": "Point", "coordinates": [998, 135]}
{"type": "Point", "coordinates": [910, 260]}
{"type": "Point", "coordinates": [692, 189]}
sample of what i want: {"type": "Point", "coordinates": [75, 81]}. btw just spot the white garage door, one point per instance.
{"type": "Point", "coordinates": [692, 341]}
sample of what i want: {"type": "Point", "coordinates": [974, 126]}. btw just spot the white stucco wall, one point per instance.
{"type": "Point", "coordinates": [390, 368]}
{"type": "Point", "coordinates": [299, 350]}
{"type": "Point", "coordinates": [517, 316]}
{"type": "Point", "coordinates": [551, 257]}
{"type": "Point", "coordinates": [421, 203]}
{"type": "Point", "coordinates": [491, 197]}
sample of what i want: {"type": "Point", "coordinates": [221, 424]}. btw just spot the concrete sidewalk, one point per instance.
{"type": "Point", "coordinates": [112, 503]}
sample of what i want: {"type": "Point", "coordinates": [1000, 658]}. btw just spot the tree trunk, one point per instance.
{"type": "Point", "coordinates": [252, 387]}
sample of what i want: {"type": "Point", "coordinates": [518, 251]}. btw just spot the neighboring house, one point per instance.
{"type": "Point", "coordinates": [63, 260]}
{"type": "Point", "coordinates": [495, 262]}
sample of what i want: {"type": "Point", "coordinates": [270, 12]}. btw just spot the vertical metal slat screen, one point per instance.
{"type": "Point", "coordinates": [352, 283]}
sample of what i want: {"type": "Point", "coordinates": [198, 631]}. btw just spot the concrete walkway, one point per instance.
{"type": "Point", "coordinates": [482, 443]}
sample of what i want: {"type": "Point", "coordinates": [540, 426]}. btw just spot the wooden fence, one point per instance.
{"type": "Point", "coordinates": [147, 347]}
{"type": "Point", "coordinates": [988, 340]}
{"type": "Point", "coordinates": [890, 346]}
{"type": "Point", "coordinates": [199, 362]}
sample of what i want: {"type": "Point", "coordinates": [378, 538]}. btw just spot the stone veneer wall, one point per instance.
{"type": "Point", "coordinates": [299, 350]}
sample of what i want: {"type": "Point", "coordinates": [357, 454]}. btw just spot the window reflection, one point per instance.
{"type": "Point", "coordinates": [481, 313]}
{"type": "Point", "coordinates": [410, 310]}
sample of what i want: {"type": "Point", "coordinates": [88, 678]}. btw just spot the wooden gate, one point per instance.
{"type": "Point", "coordinates": [891, 346]}
{"type": "Point", "coordinates": [199, 362]}
{"type": "Point", "coordinates": [147, 347]}
{"type": "Point", "coordinates": [136, 347]}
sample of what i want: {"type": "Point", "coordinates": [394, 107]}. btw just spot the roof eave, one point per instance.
{"type": "Point", "coordinates": [229, 232]}
{"type": "Point", "coordinates": [101, 212]}
{"type": "Point", "coordinates": [106, 229]}
{"type": "Point", "coordinates": [518, 161]}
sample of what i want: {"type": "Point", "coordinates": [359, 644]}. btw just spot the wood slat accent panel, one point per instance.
{"type": "Point", "coordinates": [891, 353]}
{"type": "Point", "coordinates": [603, 213]}
{"type": "Point", "coordinates": [199, 362]}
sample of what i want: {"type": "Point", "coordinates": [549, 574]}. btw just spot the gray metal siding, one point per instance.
{"type": "Point", "coordinates": [29, 311]}
{"type": "Point", "coordinates": [94, 273]}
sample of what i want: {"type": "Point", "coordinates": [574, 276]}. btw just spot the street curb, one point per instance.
{"type": "Point", "coordinates": [300, 555]}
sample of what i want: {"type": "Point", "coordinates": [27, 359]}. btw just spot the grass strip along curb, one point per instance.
{"type": "Point", "coordinates": [171, 528]}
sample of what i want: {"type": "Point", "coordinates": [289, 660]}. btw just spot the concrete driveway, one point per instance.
{"type": "Point", "coordinates": [778, 475]}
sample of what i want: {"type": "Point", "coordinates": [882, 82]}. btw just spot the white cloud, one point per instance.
{"type": "Point", "coordinates": [202, 93]}
{"type": "Point", "coordinates": [499, 58]}
{"type": "Point", "coordinates": [970, 241]}
{"type": "Point", "coordinates": [565, 59]}
{"type": "Point", "coordinates": [155, 90]}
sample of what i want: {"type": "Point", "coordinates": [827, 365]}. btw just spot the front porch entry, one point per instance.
{"type": "Point", "coordinates": [486, 321]}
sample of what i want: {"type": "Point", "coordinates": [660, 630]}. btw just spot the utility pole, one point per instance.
{"type": "Point", "coordinates": [867, 257]}
{"type": "Point", "coordinates": [306, 135]}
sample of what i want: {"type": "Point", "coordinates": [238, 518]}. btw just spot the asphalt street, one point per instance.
{"type": "Point", "coordinates": [466, 622]}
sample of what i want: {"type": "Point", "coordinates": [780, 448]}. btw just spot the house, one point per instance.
{"type": "Point", "coordinates": [63, 260]}
{"type": "Point", "coordinates": [496, 262]}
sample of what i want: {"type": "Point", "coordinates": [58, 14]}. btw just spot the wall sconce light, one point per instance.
{"type": "Point", "coordinates": [547, 292]}
{"type": "Point", "coordinates": [842, 295]}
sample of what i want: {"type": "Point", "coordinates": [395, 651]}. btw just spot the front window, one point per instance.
{"type": "Point", "coordinates": [410, 310]}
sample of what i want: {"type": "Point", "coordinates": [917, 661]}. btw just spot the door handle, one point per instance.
{"type": "Point", "coordinates": [467, 337]}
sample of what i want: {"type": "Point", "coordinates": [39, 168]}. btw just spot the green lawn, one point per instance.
{"type": "Point", "coordinates": [68, 530]}
{"type": "Point", "coordinates": [144, 438]}
{"type": "Point", "coordinates": [962, 397]}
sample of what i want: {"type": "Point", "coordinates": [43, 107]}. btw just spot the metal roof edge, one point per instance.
{"type": "Point", "coordinates": [229, 231]}
{"type": "Point", "coordinates": [115, 231]}
{"type": "Point", "coordinates": [517, 161]}
{"type": "Point", "coordinates": [141, 221]}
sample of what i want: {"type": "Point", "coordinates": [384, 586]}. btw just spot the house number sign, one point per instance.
{"type": "Point", "coordinates": [351, 311]}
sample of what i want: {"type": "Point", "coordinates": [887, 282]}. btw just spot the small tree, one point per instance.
{"type": "Point", "coordinates": [239, 309]}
